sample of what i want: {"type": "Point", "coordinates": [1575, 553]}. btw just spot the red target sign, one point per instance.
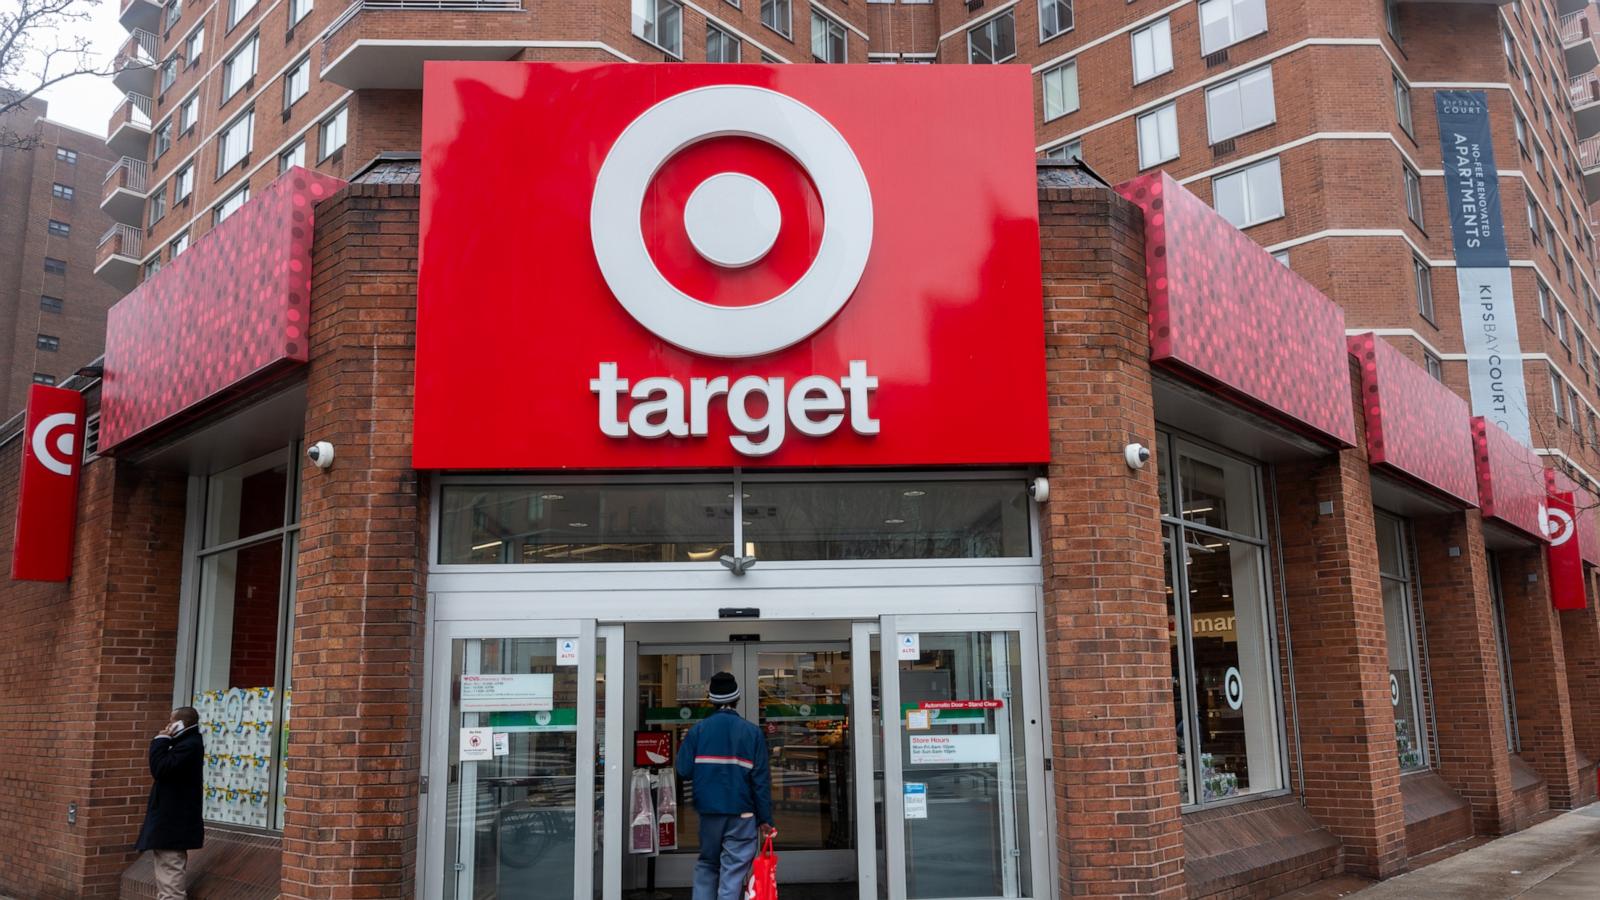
{"type": "Point", "coordinates": [709, 265]}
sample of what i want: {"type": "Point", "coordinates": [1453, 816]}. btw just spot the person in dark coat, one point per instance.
{"type": "Point", "coordinates": [172, 819]}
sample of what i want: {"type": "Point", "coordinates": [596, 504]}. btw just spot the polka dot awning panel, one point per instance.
{"type": "Point", "coordinates": [1511, 484]}
{"type": "Point", "coordinates": [235, 305]}
{"type": "Point", "coordinates": [1223, 308]}
{"type": "Point", "coordinates": [1415, 424]}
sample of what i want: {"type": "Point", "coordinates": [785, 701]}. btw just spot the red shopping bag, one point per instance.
{"type": "Point", "coordinates": [764, 873]}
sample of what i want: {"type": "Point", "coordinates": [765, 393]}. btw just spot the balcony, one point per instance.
{"type": "Point", "coordinates": [129, 128]}
{"type": "Point", "coordinates": [378, 43]}
{"type": "Point", "coordinates": [116, 259]}
{"type": "Point", "coordinates": [125, 190]}
{"type": "Point", "coordinates": [1577, 41]}
{"type": "Point", "coordinates": [134, 69]}
{"type": "Point", "coordinates": [145, 14]}
{"type": "Point", "coordinates": [1589, 163]}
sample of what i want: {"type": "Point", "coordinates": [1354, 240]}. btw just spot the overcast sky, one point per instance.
{"type": "Point", "coordinates": [87, 102]}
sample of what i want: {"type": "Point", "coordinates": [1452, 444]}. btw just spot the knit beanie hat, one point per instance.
{"type": "Point", "coordinates": [724, 688]}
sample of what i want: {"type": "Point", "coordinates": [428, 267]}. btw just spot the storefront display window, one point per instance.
{"type": "Point", "coordinates": [244, 570]}
{"type": "Point", "coordinates": [1508, 699]}
{"type": "Point", "coordinates": [1394, 566]}
{"type": "Point", "coordinates": [764, 519]}
{"type": "Point", "coordinates": [1225, 692]}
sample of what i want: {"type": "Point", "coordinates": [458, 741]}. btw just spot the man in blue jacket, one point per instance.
{"type": "Point", "coordinates": [726, 758]}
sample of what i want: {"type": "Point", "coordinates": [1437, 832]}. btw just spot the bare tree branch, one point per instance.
{"type": "Point", "coordinates": [37, 51]}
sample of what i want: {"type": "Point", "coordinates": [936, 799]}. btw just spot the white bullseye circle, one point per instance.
{"type": "Point", "coordinates": [732, 219]}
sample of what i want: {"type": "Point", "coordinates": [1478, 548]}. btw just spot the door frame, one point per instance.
{"type": "Point", "coordinates": [439, 682]}
{"type": "Point", "coordinates": [677, 870]}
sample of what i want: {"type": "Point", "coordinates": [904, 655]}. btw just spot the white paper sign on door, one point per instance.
{"type": "Point", "coordinates": [477, 744]}
{"type": "Point", "coordinates": [916, 800]}
{"type": "Point", "coordinates": [567, 652]}
{"type": "Point", "coordinates": [910, 647]}
{"type": "Point", "coordinates": [507, 693]}
{"type": "Point", "coordinates": [502, 743]}
{"type": "Point", "coordinates": [932, 749]}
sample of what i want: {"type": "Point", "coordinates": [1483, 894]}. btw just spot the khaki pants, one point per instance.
{"type": "Point", "coordinates": [170, 866]}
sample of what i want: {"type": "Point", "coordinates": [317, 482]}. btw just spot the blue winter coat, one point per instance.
{"type": "Point", "coordinates": [726, 758]}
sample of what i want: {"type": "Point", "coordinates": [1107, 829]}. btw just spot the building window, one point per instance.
{"type": "Point", "coordinates": [61, 191]}
{"type": "Point", "coordinates": [1434, 366]}
{"type": "Point", "coordinates": [193, 46]}
{"type": "Point", "coordinates": [51, 304]}
{"type": "Point", "coordinates": [1550, 238]}
{"type": "Point", "coordinates": [1522, 132]}
{"type": "Point", "coordinates": [1391, 17]}
{"type": "Point", "coordinates": [1060, 90]}
{"type": "Point", "coordinates": [1055, 17]}
{"type": "Point", "coordinates": [233, 146]}
{"type": "Point", "coordinates": [1572, 270]}
{"type": "Point", "coordinates": [238, 9]}
{"type": "Point", "coordinates": [829, 40]}
{"type": "Point", "coordinates": [47, 342]}
{"type": "Point", "coordinates": [1282, 256]}
{"type": "Point", "coordinates": [1152, 51]}
{"type": "Point", "coordinates": [1251, 195]}
{"type": "Point", "coordinates": [298, 9]}
{"type": "Point", "coordinates": [1531, 206]}
{"type": "Point", "coordinates": [1227, 22]}
{"type": "Point", "coordinates": [1405, 678]}
{"type": "Point", "coordinates": [296, 82]}
{"type": "Point", "coordinates": [1243, 104]}
{"type": "Point", "coordinates": [158, 205]}
{"type": "Point", "coordinates": [659, 22]}
{"type": "Point", "coordinates": [1423, 276]}
{"type": "Point", "coordinates": [331, 133]}
{"type": "Point", "coordinates": [152, 267]}
{"type": "Point", "coordinates": [53, 266]}
{"type": "Point", "coordinates": [183, 183]}
{"type": "Point", "coordinates": [172, 13]}
{"type": "Point", "coordinates": [163, 138]}
{"type": "Point", "coordinates": [178, 245]}
{"type": "Point", "coordinates": [188, 114]}
{"type": "Point", "coordinates": [66, 157]}
{"type": "Point", "coordinates": [721, 47]}
{"type": "Point", "coordinates": [294, 156]}
{"type": "Point", "coordinates": [247, 538]}
{"type": "Point", "coordinates": [775, 14]}
{"type": "Point", "coordinates": [42, 378]}
{"type": "Point", "coordinates": [231, 205]}
{"type": "Point", "coordinates": [58, 229]}
{"type": "Point", "coordinates": [1508, 700]}
{"type": "Point", "coordinates": [1558, 396]}
{"type": "Point", "coordinates": [169, 72]}
{"type": "Point", "coordinates": [1561, 324]}
{"type": "Point", "coordinates": [1069, 152]}
{"type": "Point", "coordinates": [1413, 183]}
{"type": "Point", "coordinates": [1158, 136]}
{"type": "Point", "coordinates": [239, 68]}
{"type": "Point", "coordinates": [1402, 102]}
{"type": "Point", "coordinates": [1224, 669]}
{"type": "Point", "coordinates": [994, 41]}
{"type": "Point", "coordinates": [1544, 302]}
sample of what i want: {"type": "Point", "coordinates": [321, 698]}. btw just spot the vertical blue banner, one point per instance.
{"type": "Point", "coordinates": [1483, 269]}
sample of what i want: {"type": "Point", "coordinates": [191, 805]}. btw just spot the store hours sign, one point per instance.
{"type": "Point", "coordinates": [713, 265]}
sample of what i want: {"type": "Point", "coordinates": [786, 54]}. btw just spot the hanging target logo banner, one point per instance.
{"type": "Point", "coordinates": [636, 266]}
{"type": "Point", "coordinates": [47, 503]}
{"type": "Point", "coordinates": [1564, 551]}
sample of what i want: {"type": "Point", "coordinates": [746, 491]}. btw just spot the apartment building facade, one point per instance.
{"type": "Point", "coordinates": [52, 307]}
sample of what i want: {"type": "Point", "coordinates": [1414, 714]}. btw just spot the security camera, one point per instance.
{"type": "Point", "coordinates": [1136, 455]}
{"type": "Point", "coordinates": [320, 454]}
{"type": "Point", "coordinates": [1039, 489]}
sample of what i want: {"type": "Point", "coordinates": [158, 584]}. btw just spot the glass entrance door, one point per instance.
{"type": "Point", "coordinates": [518, 762]}
{"type": "Point", "coordinates": [800, 696]}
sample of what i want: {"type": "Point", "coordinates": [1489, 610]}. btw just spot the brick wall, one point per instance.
{"type": "Point", "coordinates": [1544, 711]}
{"type": "Point", "coordinates": [355, 751]}
{"type": "Point", "coordinates": [1110, 690]}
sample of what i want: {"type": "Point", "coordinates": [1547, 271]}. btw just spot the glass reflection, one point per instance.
{"type": "Point", "coordinates": [886, 520]}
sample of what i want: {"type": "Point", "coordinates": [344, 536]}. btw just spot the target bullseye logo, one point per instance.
{"type": "Point", "coordinates": [732, 220]}
{"type": "Point", "coordinates": [57, 454]}
{"type": "Point", "coordinates": [1557, 524]}
{"type": "Point", "coordinates": [1233, 688]}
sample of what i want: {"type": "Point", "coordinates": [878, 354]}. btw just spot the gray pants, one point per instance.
{"type": "Point", "coordinates": [170, 865]}
{"type": "Point", "coordinates": [728, 846]}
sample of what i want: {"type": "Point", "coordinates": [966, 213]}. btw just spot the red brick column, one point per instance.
{"type": "Point", "coordinates": [1469, 749]}
{"type": "Point", "coordinates": [1580, 645]}
{"type": "Point", "coordinates": [1335, 610]}
{"type": "Point", "coordinates": [1105, 617]}
{"type": "Point", "coordinates": [1538, 672]}
{"type": "Point", "coordinates": [354, 754]}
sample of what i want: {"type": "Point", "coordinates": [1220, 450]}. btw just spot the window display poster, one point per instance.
{"type": "Point", "coordinates": [916, 800]}
{"type": "Point", "coordinates": [502, 693]}
{"type": "Point", "coordinates": [933, 749]}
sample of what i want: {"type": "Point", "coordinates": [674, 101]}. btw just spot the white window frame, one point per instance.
{"type": "Point", "coordinates": [1422, 274]}
{"type": "Point", "coordinates": [194, 45]}
{"type": "Point", "coordinates": [1220, 97]}
{"type": "Point", "coordinates": [1059, 73]}
{"type": "Point", "coordinates": [724, 37]}
{"type": "Point", "coordinates": [247, 119]}
{"type": "Point", "coordinates": [1413, 190]}
{"type": "Point", "coordinates": [339, 118]}
{"type": "Point", "coordinates": [1159, 115]}
{"type": "Point", "coordinates": [647, 24]}
{"type": "Point", "coordinates": [232, 83]}
{"type": "Point", "coordinates": [1158, 35]}
{"type": "Point", "coordinates": [1251, 218]}
{"type": "Point", "coordinates": [294, 156]}
{"type": "Point", "coordinates": [230, 204]}
{"type": "Point", "coordinates": [1402, 104]}
{"type": "Point", "coordinates": [1071, 17]}
{"type": "Point", "coordinates": [183, 183]}
{"type": "Point", "coordinates": [189, 113]}
{"type": "Point", "coordinates": [299, 9]}
{"type": "Point", "coordinates": [1234, 34]}
{"type": "Point", "coordinates": [298, 76]}
{"type": "Point", "coordinates": [177, 245]}
{"type": "Point", "coordinates": [830, 28]}
{"type": "Point", "coordinates": [991, 26]}
{"type": "Point", "coordinates": [237, 10]}
{"type": "Point", "coordinates": [787, 9]}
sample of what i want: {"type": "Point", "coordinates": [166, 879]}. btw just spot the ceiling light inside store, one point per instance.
{"type": "Point", "coordinates": [577, 524]}
{"type": "Point", "coordinates": [487, 546]}
{"type": "Point", "coordinates": [552, 496]}
{"type": "Point", "coordinates": [913, 493]}
{"type": "Point", "coordinates": [894, 521]}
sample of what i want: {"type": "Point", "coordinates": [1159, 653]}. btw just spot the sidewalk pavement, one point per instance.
{"type": "Point", "coordinates": [1554, 860]}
